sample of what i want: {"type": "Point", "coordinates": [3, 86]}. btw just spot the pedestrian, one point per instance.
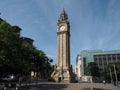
{"type": "Point", "coordinates": [103, 81]}
{"type": "Point", "coordinates": [20, 80]}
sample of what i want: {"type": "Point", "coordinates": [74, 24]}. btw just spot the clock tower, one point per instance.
{"type": "Point", "coordinates": [63, 70]}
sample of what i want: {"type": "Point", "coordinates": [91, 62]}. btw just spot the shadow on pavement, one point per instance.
{"type": "Point", "coordinates": [93, 89]}
{"type": "Point", "coordinates": [45, 87]}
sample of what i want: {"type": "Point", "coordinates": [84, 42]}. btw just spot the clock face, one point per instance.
{"type": "Point", "coordinates": [62, 28]}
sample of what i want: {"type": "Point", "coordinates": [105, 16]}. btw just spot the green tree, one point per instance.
{"type": "Point", "coordinates": [43, 64]}
{"type": "Point", "coordinates": [35, 60]}
{"type": "Point", "coordinates": [110, 71]}
{"type": "Point", "coordinates": [92, 69]}
{"type": "Point", "coordinates": [9, 48]}
{"type": "Point", "coordinates": [21, 58]}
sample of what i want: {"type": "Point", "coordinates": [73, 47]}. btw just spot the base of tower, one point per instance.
{"type": "Point", "coordinates": [63, 75]}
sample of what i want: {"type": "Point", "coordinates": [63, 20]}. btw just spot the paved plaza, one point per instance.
{"type": "Point", "coordinates": [70, 86]}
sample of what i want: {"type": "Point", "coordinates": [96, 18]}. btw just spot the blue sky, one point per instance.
{"type": "Point", "coordinates": [95, 24]}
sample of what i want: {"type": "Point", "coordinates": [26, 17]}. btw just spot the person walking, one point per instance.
{"type": "Point", "coordinates": [103, 81]}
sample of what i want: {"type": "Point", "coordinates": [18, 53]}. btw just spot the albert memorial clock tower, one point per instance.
{"type": "Point", "coordinates": [63, 70]}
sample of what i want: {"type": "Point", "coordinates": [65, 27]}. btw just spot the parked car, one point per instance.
{"type": "Point", "coordinates": [8, 86]}
{"type": "Point", "coordinates": [9, 78]}
{"type": "Point", "coordinates": [8, 82]}
{"type": "Point", "coordinates": [117, 83]}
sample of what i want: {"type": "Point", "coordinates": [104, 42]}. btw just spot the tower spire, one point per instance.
{"type": "Point", "coordinates": [63, 16]}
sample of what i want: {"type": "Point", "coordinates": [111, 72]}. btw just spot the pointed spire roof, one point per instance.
{"type": "Point", "coordinates": [63, 12]}
{"type": "Point", "coordinates": [63, 16]}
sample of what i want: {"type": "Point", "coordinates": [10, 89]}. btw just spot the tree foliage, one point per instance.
{"type": "Point", "coordinates": [21, 58]}
{"type": "Point", "coordinates": [110, 71]}
{"type": "Point", "coordinates": [92, 69]}
{"type": "Point", "coordinates": [9, 48]}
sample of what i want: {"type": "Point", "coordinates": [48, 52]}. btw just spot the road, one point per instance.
{"type": "Point", "coordinates": [70, 86]}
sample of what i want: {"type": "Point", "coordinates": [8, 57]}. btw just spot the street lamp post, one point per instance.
{"type": "Point", "coordinates": [115, 74]}
{"type": "Point", "coordinates": [111, 75]}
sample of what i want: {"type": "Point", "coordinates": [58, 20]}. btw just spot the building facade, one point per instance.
{"type": "Point", "coordinates": [27, 40]}
{"type": "Point", "coordinates": [17, 29]}
{"type": "Point", "coordinates": [101, 58]}
{"type": "Point", "coordinates": [78, 69]}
